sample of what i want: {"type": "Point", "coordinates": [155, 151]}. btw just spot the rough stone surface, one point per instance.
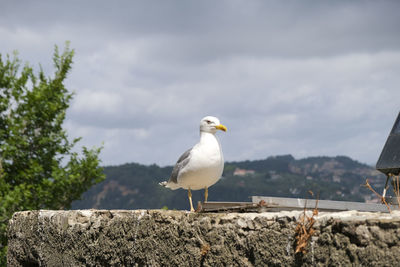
{"type": "Point", "coordinates": [179, 238]}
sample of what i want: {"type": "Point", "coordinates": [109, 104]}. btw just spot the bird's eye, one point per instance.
{"type": "Point", "coordinates": [208, 121]}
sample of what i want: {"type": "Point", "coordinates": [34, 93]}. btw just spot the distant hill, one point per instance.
{"type": "Point", "coordinates": [135, 186]}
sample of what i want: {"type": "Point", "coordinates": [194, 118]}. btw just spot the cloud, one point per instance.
{"type": "Point", "coordinates": [306, 78]}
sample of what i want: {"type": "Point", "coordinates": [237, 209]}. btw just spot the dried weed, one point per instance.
{"type": "Point", "coordinates": [205, 248]}
{"type": "Point", "coordinates": [383, 200]}
{"type": "Point", "coordinates": [304, 228]}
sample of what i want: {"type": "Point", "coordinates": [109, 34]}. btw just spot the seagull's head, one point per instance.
{"type": "Point", "coordinates": [211, 124]}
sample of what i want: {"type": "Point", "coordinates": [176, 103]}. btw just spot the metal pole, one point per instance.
{"type": "Point", "coordinates": [386, 185]}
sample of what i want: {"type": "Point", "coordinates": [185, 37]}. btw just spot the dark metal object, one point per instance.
{"type": "Point", "coordinates": [214, 206]}
{"type": "Point", "coordinates": [389, 160]}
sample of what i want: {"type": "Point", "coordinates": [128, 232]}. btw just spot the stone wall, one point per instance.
{"type": "Point", "coordinates": [179, 238]}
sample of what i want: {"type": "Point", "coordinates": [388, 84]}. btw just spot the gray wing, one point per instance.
{"type": "Point", "coordinates": [180, 164]}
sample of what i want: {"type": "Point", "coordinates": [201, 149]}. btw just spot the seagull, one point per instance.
{"type": "Point", "coordinates": [201, 166]}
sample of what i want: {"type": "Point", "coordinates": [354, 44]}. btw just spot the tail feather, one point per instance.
{"type": "Point", "coordinates": [169, 184]}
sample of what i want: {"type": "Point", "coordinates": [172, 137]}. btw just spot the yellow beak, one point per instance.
{"type": "Point", "coordinates": [221, 127]}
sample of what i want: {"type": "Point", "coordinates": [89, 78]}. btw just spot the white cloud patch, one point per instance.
{"type": "Point", "coordinates": [98, 102]}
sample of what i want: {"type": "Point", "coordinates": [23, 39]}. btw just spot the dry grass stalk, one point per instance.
{"type": "Point", "coordinates": [304, 228]}
{"type": "Point", "coordinates": [367, 185]}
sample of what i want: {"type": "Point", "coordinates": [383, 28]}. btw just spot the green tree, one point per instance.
{"type": "Point", "coordinates": [38, 166]}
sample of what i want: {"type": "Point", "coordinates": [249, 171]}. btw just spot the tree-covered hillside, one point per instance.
{"type": "Point", "coordinates": [135, 186]}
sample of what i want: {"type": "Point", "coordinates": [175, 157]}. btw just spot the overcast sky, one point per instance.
{"type": "Point", "coordinates": [306, 78]}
